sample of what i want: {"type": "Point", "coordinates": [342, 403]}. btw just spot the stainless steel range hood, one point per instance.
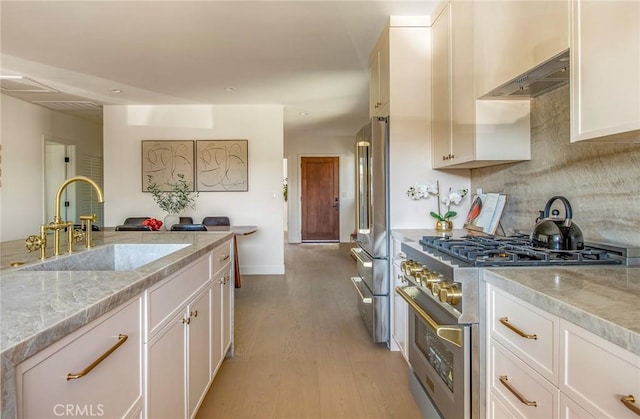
{"type": "Point", "coordinates": [549, 75]}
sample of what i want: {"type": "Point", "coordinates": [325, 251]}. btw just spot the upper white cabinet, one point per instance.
{"type": "Point", "coordinates": [379, 77]}
{"type": "Point", "coordinates": [511, 37]}
{"type": "Point", "coordinates": [605, 71]}
{"type": "Point", "coordinates": [468, 133]}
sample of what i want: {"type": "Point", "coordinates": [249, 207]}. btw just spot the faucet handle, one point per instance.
{"type": "Point", "coordinates": [78, 235]}
{"type": "Point", "coordinates": [34, 242]}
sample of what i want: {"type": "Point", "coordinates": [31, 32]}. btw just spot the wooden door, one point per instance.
{"type": "Point", "coordinates": [320, 179]}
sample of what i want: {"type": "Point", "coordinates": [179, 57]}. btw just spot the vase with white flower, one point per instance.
{"type": "Point", "coordinates": [453, 197]}
{"type": "Point", "coordinates": [176, 198]}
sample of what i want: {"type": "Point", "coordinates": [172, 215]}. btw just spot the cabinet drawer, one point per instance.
{"type": "Point", "coordinates": [597, 374]}
{"type": "Point", "coordinates": [170, 294]}
{"type": "Point", "coordinates": [221, 255]}
{"type": "Point", "coordinates": [510, 375]}
{"type": "Point", "coordinates": [509, 316]}
{"type": "Point", "coordinates": [111, 389]}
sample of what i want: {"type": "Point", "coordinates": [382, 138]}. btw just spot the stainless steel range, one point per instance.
{"type": "Point", "coordinates": [443, 277]}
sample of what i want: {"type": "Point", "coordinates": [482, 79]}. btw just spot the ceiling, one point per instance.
{"type": "Point", "coordinates": [310, 56]}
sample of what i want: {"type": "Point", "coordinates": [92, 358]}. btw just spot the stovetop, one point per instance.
{"type": "Point", "coordinates": [516, 251]}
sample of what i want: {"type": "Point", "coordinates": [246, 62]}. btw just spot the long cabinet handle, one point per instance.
{"type": "Point", "coordinates": [365, 300]}
{"type": "Point", "coordinates": [121, 340]}
{"type": "Point", "coordinates": [356, 252]}
{"type": "Point", "coordinates": [452, 334]}
{"type": "Point", "coordinates": [504, 380]}
{"type": "Point", "coordinates": [630, 403]}
{"type": "Point", "coordinates": [505, 321]}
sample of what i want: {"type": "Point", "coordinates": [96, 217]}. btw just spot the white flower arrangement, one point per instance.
{"type": "Point", "coordinates": [419, 191]}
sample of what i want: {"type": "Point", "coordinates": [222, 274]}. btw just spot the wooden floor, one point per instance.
{"type": "Point", "coordinates": [302, 351]}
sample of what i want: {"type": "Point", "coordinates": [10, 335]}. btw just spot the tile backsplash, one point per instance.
{"type": "Point", "coordinates": [600, 180]}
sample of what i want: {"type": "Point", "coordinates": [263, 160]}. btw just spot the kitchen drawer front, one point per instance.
{"type": "Point", "coordinates": [167, 296]}
{"type": "Point", "coordinates": [497, 409]}
{"type": "Point", "coordinates": [509, 374]}
{"type": "Point", "coordinates": [111, 389]}
{"type": "Point", "coordinates": [597, 374]}
{"type": "Point", "coordinates": [221, 255]}
{"type": "Point", "coordinates": [541, 352]}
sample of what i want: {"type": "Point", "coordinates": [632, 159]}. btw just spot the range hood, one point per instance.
{"type": "Point", "coordinates": [549, 75]}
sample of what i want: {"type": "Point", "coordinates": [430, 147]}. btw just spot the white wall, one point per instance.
{"type": "Point", "coordinates": [262, 125]}
{"type": "Point", "coordinates": [341, 147]}
{"type": "Point", "coordinates": [24, 127]}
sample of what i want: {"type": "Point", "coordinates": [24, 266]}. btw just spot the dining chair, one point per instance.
{"type": "Point", "coordinates": [132, 227]}
{"type": "Point", "coordinates": [188, 227]}
{"type": "Point", "coordinates": [134, 220]}
{"type": "Point", "coordinates": [186, 220]}
{"type": "Point", "coordinates": [216, 221]}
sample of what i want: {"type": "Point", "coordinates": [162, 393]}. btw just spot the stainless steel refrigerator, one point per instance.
{"type": "Point", "coordinates": [372, 222]}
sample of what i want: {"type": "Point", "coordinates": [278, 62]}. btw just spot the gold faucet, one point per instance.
{"type": "Point", "coordinates": [34, 242]}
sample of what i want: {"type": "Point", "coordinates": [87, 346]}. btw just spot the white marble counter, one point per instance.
{"type": "Point", "coordinates": [37, 308]}
{"type": "Point", "coordinates": [603, 300]}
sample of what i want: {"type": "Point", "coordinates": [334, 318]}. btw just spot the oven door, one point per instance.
{"type": "Point", "coordinates": [440, 355]}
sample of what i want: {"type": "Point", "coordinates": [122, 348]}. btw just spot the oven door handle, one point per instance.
{"type": "Point", "coordinates": [355, 280]}
{"type": "Point", "coordinates": [452, 334]}
{"type": "Point", "coordinates": [356, 253]}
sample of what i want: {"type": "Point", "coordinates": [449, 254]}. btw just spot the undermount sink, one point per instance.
{"type": "Point", "coordinates": [114, 257]}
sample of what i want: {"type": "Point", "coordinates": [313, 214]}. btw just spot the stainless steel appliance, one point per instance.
{"type": "Point", "coordinates": [372, 219]}
{"type": "Point", "coordinates": [443, 277]}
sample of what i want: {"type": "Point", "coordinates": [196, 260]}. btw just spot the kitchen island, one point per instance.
{"type": "Point", "coordinates": [39, 308]}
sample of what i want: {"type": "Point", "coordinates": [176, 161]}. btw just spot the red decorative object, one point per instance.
{"type": "Point", "coordinates": [153, 223]}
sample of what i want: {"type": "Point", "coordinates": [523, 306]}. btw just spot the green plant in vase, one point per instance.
{"type": "Point", "coordinates": [174, 200]}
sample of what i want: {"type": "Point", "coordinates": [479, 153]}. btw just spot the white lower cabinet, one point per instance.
{"type": "Point", "coordinates": [399, 307]}
{"type": "Point", "coordinates": [95, 371]}
{"type": "Point", "coordinates": [541, 366]}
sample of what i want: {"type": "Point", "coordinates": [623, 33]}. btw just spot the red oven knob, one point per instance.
{"type": "Point", "coordinates": [450, 293]}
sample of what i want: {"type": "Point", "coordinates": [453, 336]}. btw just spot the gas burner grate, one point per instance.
{"type": "Point", "coordinates": [512, 251]}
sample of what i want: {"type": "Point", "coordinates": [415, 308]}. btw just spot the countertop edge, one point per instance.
{"type": "Point", "coordinates": [610, 331]}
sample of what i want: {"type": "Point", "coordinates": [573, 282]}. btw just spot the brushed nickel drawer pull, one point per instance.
{"type": "Point", "coordinates": [366, 263]}
{"type": "Point", "coordinates": [121, 340]}
{"type": "Point", "coordinates": [505, 321]}
{"type": "Point", "coordinates": [630, 403]}
{"type": "Point", "coordinates": [364, 299]}
{"type": "Point", "coordinates": [504, 379]}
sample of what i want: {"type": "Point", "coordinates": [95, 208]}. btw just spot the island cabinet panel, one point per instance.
{"type": "Point", "coordinates": [198, 348]}
{"type": "Point", "coordinates": [45, 387]}
{"type": "Point", "coordinates": [605, 64]}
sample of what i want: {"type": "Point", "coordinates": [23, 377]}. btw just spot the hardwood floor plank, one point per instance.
{"type": "Point", "coordinates": [302, 350]}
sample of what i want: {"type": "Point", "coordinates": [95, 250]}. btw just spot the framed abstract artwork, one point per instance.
{"type": "Point", "coordinates": [222, 166]}
{"type": "Point", "coordinates": [164, 160]}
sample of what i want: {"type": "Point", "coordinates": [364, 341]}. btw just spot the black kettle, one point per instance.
{"type": "Point", "coordinates": [555, 233]}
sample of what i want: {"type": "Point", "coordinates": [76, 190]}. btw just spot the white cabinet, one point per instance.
{"type": "Point", "coordinates": [468, 133]}
{"type": "Point", "coordinates": [598, 374]}
{"type": "Point", "coordinates": [512, 37]}
{"type": "Point", "coordinates": [198, 347]}
{"type": "Point", "coordinates": [105, 358]}
{"type": "Point", "coordinates": [605, 68]}
{"type": "Point", "coordinates": [222, 307]}
{"type": "Point", "coordinates": [399, 307]}
{"type": "Point", "coordinates": [539, 365]}
{"type": "Point", "coordinates": [379, 77]}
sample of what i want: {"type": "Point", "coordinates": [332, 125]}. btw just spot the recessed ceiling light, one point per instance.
{"type": "Point", "coordinates": [115, 90]}
{"type": "Point", "coordinates": [303, 113]}
{"type": "Point", "coordinates": [229, 89]}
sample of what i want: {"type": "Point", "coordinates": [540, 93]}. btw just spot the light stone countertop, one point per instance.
{"type": "Point", "coordinates": [38, 308]}
{"type": "Point", "coordinates": [602, 300]}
